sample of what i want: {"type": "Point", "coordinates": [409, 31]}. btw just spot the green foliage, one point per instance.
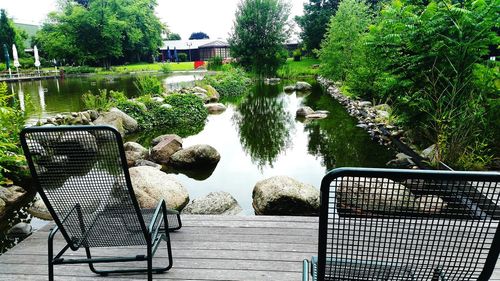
{"type": "Point", "coordinates": [429, 61]}
{"type": "Point", "coordinates": [232, 82]}
{"type": "Point", "coordinates": [215, 63]}
{"type": "Point", "coordinates": [11, 123]}
{"type": "Point", "coordinates": [101, 102]}
{"type": "Point", "coordinates": [296, 69]}
{"type": "Point", "coordinates": [149, 85]}
{"type": "Point", "coordinates": [297, 55]}
{"type": "Point", "coordinates": [259, 33]}
{"type": "Point", "coordinates": [103, 32]}
{"type": "Point", "coordinates": [182, 57]}
{"type": "Point", "coordinates": [343, 38]}
{"type": "Point", "coordinates": [198, 35]}
{"type": "Point", "coordinates": [314, 22]}
{"type": "Point", "coordinates": [173, 36]}
{"type": "Point", "coordinates": [10, 35]}
{"type": "Point", "coordinates": [165, 68]}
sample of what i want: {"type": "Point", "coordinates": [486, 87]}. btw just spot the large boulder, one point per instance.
{"type": "Point", "coordinates": [282, 195]}
{"type": "Point", "coordinates": [11, 195]}
{"type": "Point", "coordinates": [151, 185]}
{"type": "Point", "coordinates": [3, 208]}
{"type": "Point", "coordinates": [214, 108]}
{"type": "Point", "coordinates": [119, 120]}
{"type": "Point", "coordinates": [368, 195]}
{"type": "Point", "coordinates": [289, 88]}
{"type": "Point", "coordinates": [134, 152]}
{"type": "Point", "coordinates": [196, 156]}
{"type": "Point", "coordinates": [212, 93]}
{"type": "Point", "coordinates": [162, 152]}
{"type": "Point", "coordinates": [215, 203]}
{"type": "Point", "coordinates": [304, 111]}
{"type": "Point", "coordinates": [39, 210]}
{"type": "Point", "coordinates": [302, 86]}
{"type": "Point", "coordinates": [158, 139]}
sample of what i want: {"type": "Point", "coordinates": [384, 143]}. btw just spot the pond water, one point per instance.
{"type": "Point", "coordinates": [257, 136]}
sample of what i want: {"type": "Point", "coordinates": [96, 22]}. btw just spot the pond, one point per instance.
{"type": "Point", "coordinates": [257, 136]}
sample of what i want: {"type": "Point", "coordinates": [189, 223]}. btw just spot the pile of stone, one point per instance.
{"type": "Point", "coordinates": [375, 119]}
{"type": "Point", "coordinates": [309, 113]}
{"type": "Point", "coordinates": [300, 86]}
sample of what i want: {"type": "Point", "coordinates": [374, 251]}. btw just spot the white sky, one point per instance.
{"type": "Point", "coordinates": [214, 17]}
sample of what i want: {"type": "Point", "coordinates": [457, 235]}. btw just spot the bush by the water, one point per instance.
{"type": "Point", "coordinates": [215, 63]}
{"type": "Point", "coordinates": [101, 102]}
{"type": "Point", "coordinates": [183, 112]}
{"type": "Point", "coordinates": [430, 62]}
{"type": "Point", "coordinates": [149, 85]}
{"type": "Point", "coordinates": [231, 82]}
{"type": "Point", "coordinates": [11, 122]}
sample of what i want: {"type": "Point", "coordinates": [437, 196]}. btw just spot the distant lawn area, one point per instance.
{"type": "Point", "coordinates": [303, 67]}
{"type": "Point", "coordinates": [138, 67]}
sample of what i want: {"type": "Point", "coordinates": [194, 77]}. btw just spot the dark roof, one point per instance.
{"type": "Point", "coordinates": [215, 44]}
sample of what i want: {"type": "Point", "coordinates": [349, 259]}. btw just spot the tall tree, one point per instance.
{"type": "Point", "coordinates": [173, 36]}
{"type": "Point", "coordinates": [314, 22]}
{"type": "Point", "coordinates": [106, 32]}
{"type": "Point", "coordinates": [9, 34]}
{"type": "Point", "coordinates": [198, 35]}
{"type": "Point", "coordinates": [259, 34]}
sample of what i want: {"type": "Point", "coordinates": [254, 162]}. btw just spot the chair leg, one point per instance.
{"type": "Point", "coordinates": [91, 265]}
{"type": "Point", "coordinates": [51, 257]}
{"type": "Point", "coordinates": [150, 263]}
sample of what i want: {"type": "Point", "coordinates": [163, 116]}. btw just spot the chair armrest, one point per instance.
{"type": "Point", "coordinates": [305, 270]}
{"type": "Point", "coordinates": [160, 212]}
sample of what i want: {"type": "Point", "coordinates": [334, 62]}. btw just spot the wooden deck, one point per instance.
{"type": "Point", "coordinates": [206, 248]}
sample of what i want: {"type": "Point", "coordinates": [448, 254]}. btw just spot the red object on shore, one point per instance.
{"type": "Point", "coordinates": [198, 63]}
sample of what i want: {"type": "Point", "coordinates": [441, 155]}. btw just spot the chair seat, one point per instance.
{"type": "Point", "coordinates": [114, 224]}
{"type": "Point", "coordinates": [358, 270]}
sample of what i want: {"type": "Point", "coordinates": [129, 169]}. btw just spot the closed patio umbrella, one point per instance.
{"type": "Point", "coordinates": [176, 58]}
{"type": "Point", "coordinates": [169, 55]}
{"type": "Point", "coordinates": [15, 58]}
{"type": "Point", "coordinates": [37, 59]}
{"type": "Point", "coordinates": [7, 58]}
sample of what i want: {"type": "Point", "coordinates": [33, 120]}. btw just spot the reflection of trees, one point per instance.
{"type": "Point", "coordinates": [264, 125]}
{"type": "Point", "coordinates": [337, 139]}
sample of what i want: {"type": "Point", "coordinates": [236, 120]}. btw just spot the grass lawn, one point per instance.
{"type": "Point", "coordinates": [303, 67]}
{"type": "Point", "coordinates": [138, 67]}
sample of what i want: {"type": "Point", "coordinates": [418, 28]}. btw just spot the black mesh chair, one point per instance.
{"type": "Point", "coordinates": [82, 177]}
{"type": "Point", "coordinates": [381, 224]}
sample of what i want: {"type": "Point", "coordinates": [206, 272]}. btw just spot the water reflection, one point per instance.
{"type": "Point", "coordinates": [264, 125]}
{"type": "Point", "coordinates": [41, 95]}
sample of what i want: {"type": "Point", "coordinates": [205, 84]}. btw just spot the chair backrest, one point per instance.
{"type": "Point", "coordinates": [382, 224]}
{"type": "Point", "coordinates": [82, 176]}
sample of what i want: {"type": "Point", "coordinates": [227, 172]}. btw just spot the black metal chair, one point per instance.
{"type": "Point", "coordinates": [381, 224]}
{"type": "Point", "coordinates": [82, 176]}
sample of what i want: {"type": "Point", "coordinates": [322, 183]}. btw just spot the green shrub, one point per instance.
{"type": "Point", "coordinates": [182, 57]}
{"type": "Point", "coordinates": [165, 68]}
{"type": "Point", "coordinates": [215, 63]}
{"type": "Point", "coordinates": [11, 123]}
{"type": "Point", "coordinates": [188, 109]}
{"type": "Point", "coordinates": [101, 102]}
{"type": "Point", "coordinates": [229, 83]}
{"type": "Point", "coordinates": [3, 67]}
{"type": "Point", "coordinates": [27, 62]}
{"type": "Point", "coordinates": [297, 55]}
{"type": "Point", "coordinates": [149, 85]}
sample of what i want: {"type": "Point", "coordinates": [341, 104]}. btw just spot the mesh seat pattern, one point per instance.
{"type": "Point", "coordinates": [407, 226]}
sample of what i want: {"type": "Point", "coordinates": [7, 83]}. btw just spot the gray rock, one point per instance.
{"type": "Point", "coordinates": [430, 204]}
{"type": "Point", "coordinates": [383, 114]}
{"type": "Point", "coordinates": [3, 207]}
{"type": "Point", "coordinates": [365, 103]}
{"type": "Point", "coordinates": [151, 185]}
{"type": "Point", "coordinates": [162, 152]}
{"type": "Point", "coordinates": [133, 146]}
{"type": "Point", "coordinates": [281, 195]}
{"type": "Point", "coordinates": [12, 195]}
{"type": "Point", "coordinates": [196, 156]}
{"type": "Point", "coordinates": [158, 99]}
{"type": "Point", "coordinates": [374, 195]}
{"type": "Point", "coordinates": [383, 106]}
{"type": "Point", "coordinates": [202, 96]}
{"type": "Point", "coordinates": [316, 116]}
{"type": "Point", "coordinates": [214, 108]}
{"type": "Point", "coordinates": [119, 120]}
{"type": "Point", "coordinates": [304, 111]}
{"type": "Point", "coordinates": [199, 90]}
{"type": "Point", "coordinates": [322, 112]}
{"type": "Point", "coordinates": [133, 157]}
{"type": "Point", "coordinates": [289, 88]}
{"type": "Point", "coordinates": [93, 114]}
{"type": "Point", "coordinates": [142, 162]}
{"type": "Point", "coordinates": [402, 161]}
{"type": "Point", "coordinates": [272, 81]}
{"type": "Point", "coordinates": [158, 139]}
{"type": "Point", "coordinates": [302, 86]}
{"type": "Point", "coordinates": [430, 153]}
{"type": "Point", "coordinates": [19, 230]}
{"type": "Point", "coordinates": [215, 203]}
{"type": "Point", "coordinates": [212, 93]}
{"type": "Point", "coordinates": [166, 105]}
{"type": "Point", "coordinates": [85, 140]}
{"type": "Point", "coordinates": [39, 210]}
